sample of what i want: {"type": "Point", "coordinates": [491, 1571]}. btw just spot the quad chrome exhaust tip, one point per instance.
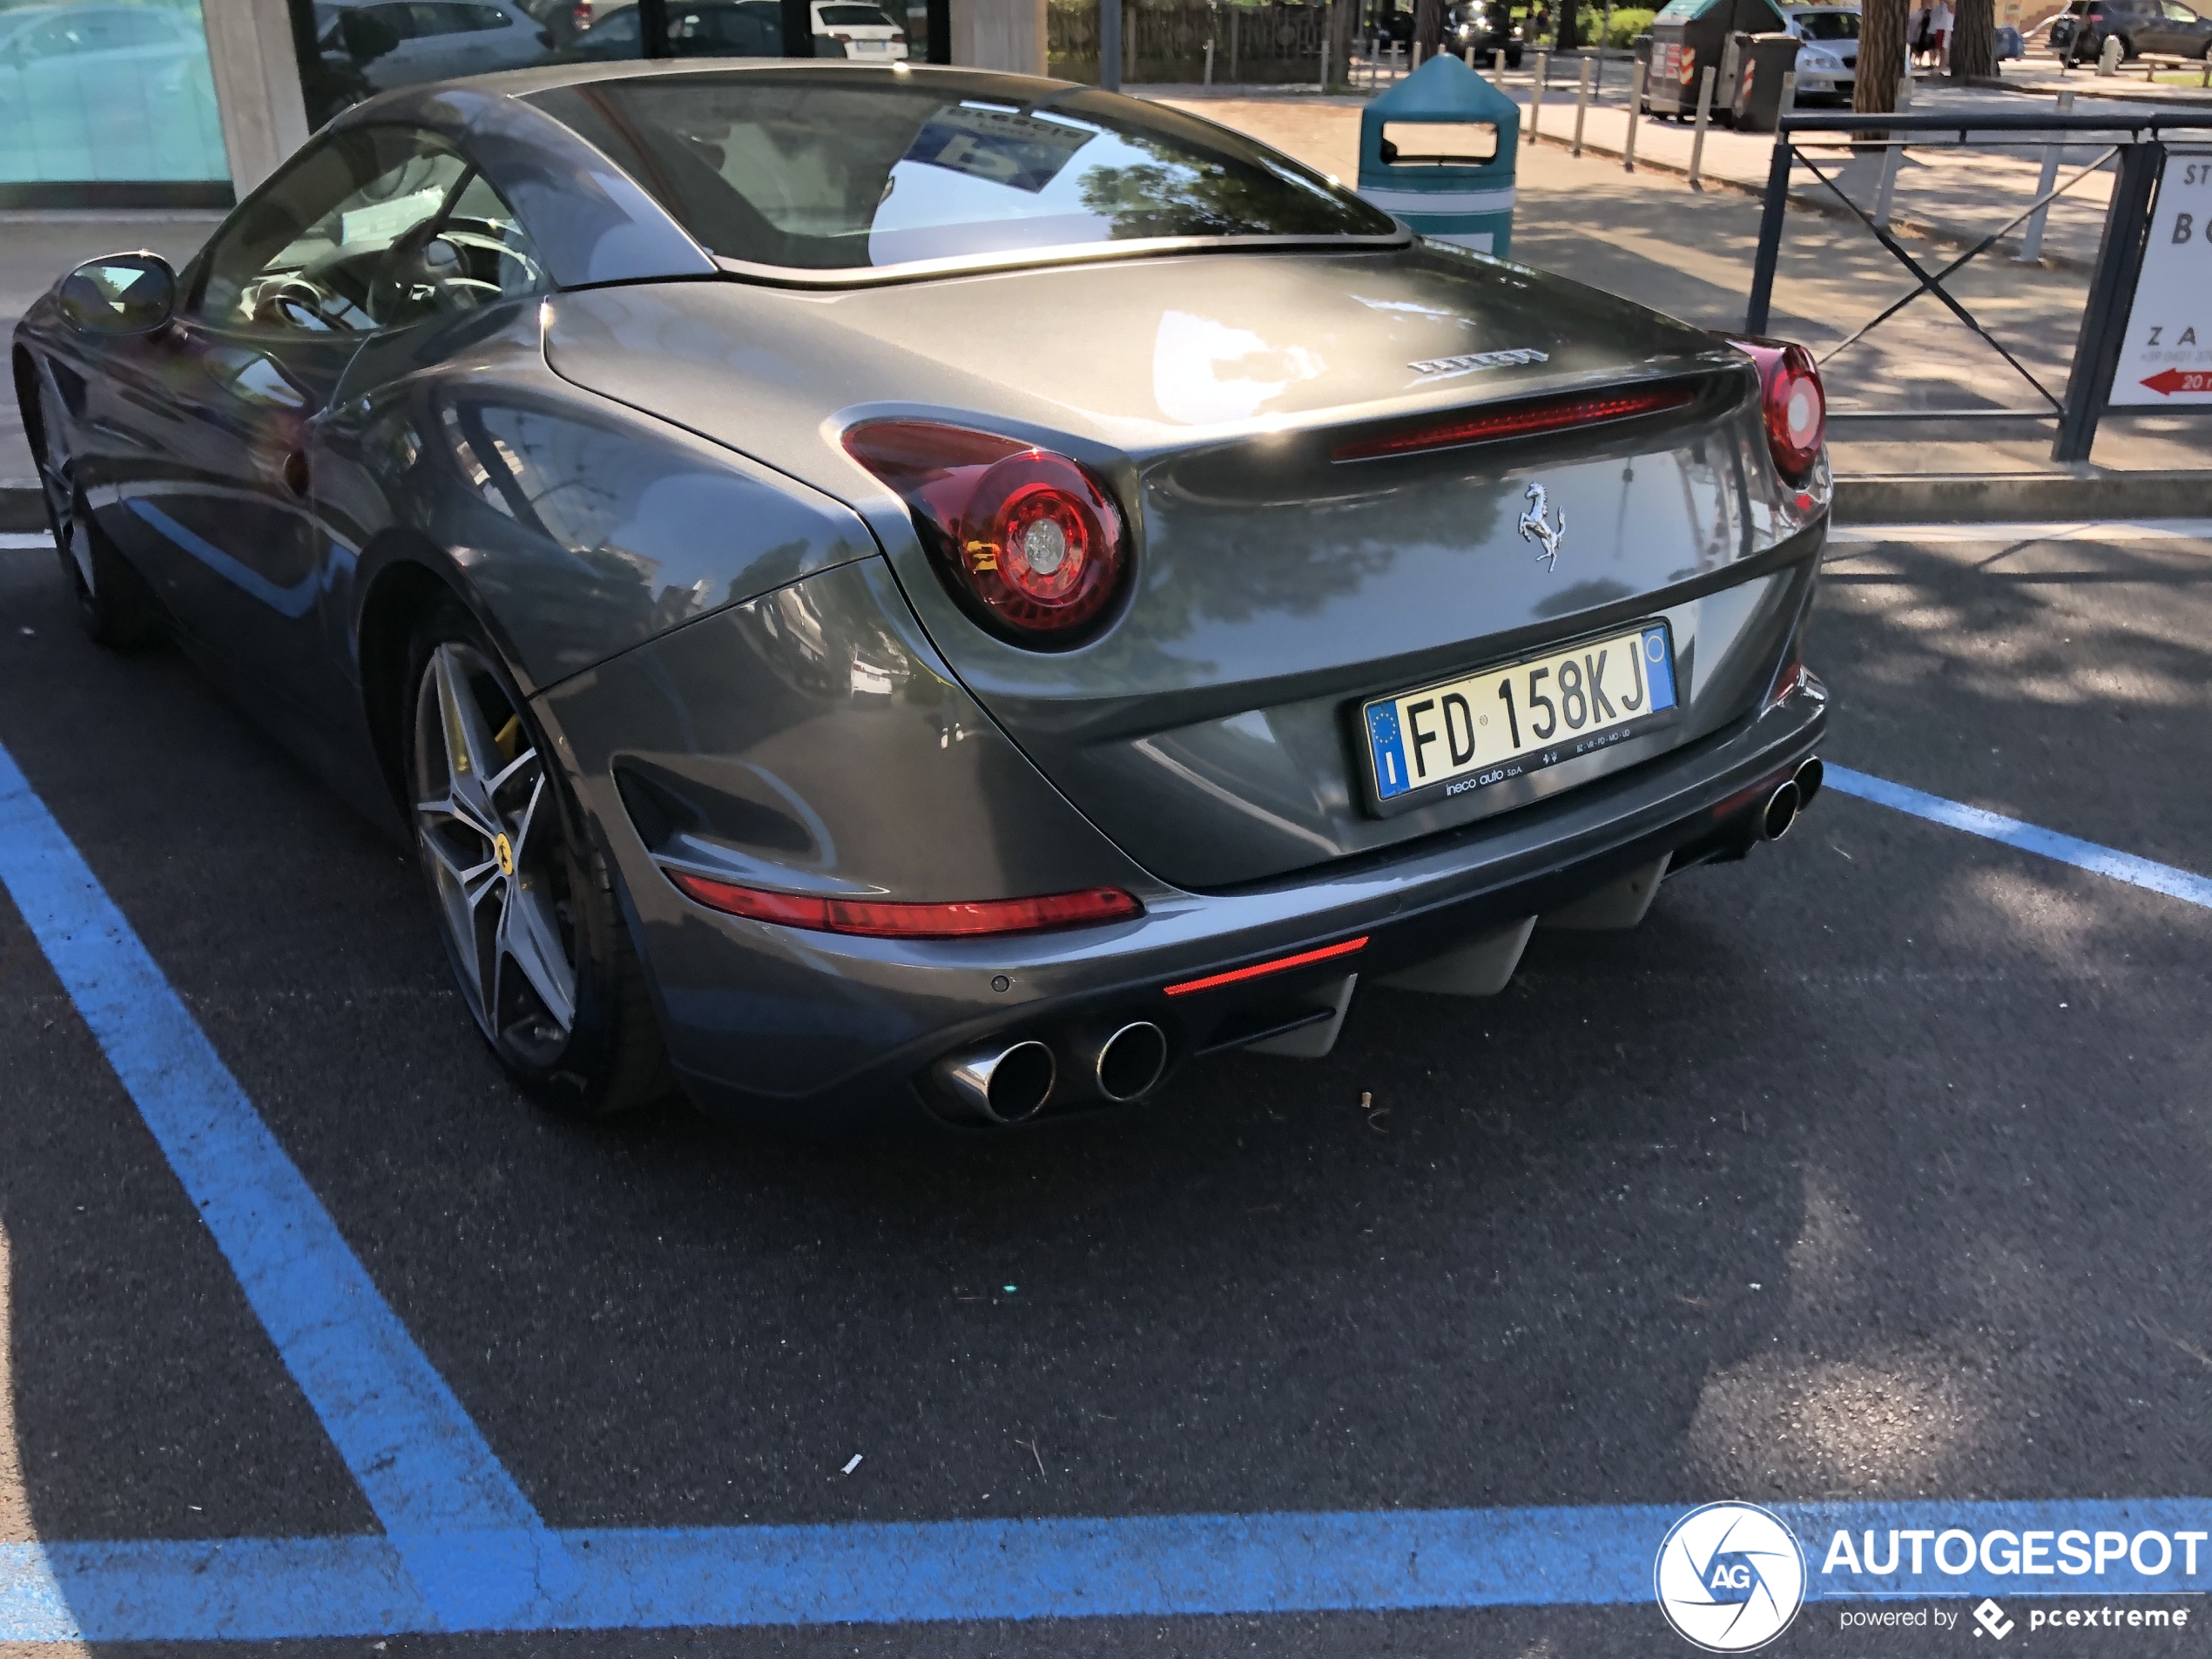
{"type": "Point", "coordinates": [1000, 1085]}
{"type": "Point", "coordinates": [1131, 1061]}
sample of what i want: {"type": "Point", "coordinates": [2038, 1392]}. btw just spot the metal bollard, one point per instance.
{"type": "Point", "coordinates": [1887, 186]}
{"type": "Point", "coordinates": [1636, 104]}
{"type": "Point", "coordinates": [2032, 239]}
{"type": "Point", "coordinates": [1536, 96]}
{"type": "Point", "coordinates": [1413, 59]}
{"type": "Point", "coordinates": [1498, 63]}
{"type": "Point", "coordinates": [1581, 104]}
{"type": "Point", "coordinates": [1470, 57]}
{"type": "Point", "coordinates": [1697, 138]}
{"type": "Point", "coordinates": [1209, 81]}
{"type": "Point", "coordinates": [1324, 63]}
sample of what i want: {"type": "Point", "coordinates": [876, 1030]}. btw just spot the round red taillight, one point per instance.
{"type": "Point", "coordinates": [1028, 538]}
{"type": "Point", "coordinates": [1040, 545]}
{"type": "Point", "coordinates": [1793, 405]}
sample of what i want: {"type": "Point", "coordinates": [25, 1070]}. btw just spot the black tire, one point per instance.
{"type": "Point", "coordinates": [114, 605]}
{"type": "Point", "coordinates": [601, 1052]}
{"type": "Point", "coordinates": [2126, 49]}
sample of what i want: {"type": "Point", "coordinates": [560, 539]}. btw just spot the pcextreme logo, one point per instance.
{"type": "Point", "coordinates": [1729, 1577]}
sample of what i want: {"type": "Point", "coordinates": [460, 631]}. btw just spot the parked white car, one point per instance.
{"type": "Point", "coordinates": [867, 31]}
{"type": "Point", "coordinates": [1828, 61]}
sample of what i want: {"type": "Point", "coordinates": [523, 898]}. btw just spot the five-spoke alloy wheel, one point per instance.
{"type": "Point", "coordinates": [527, 907]}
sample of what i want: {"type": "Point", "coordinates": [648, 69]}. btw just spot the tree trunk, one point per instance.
{"type": "Point", "coordinates": [1343, 29]}
{"type": "Point", "coordinates": [1973, 39]}
{"type": "Point", "coordinates": [1428, 27]}
{"type": "Point", "coordinates": [1570, 25]}
{"type": "Point", "coordinates": [1881, 57]}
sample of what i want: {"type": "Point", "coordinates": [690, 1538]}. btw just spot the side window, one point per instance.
{"type": "Point", "coordinates": [374, 228]}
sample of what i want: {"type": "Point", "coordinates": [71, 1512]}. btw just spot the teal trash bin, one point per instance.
{"type": "Point", "coordinates": [1425, 156]}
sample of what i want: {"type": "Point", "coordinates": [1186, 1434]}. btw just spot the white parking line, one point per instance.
{"type": "Point", "coordinates": [25, 542]}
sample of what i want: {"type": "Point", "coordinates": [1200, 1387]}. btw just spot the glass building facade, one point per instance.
{"type": "Point", "coordinates": [122, 102]}
{"type": "Point", "coordinates": [106, 92]}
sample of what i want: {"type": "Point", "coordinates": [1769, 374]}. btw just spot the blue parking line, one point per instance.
{"type": "Point", "coordinates": [463, 1550]}
{"type": "Point", "coordinates": [420, 1461]}
{"type": "Point", "coordinates": [1157, 1567]}
{"type": "Point", "coordinates": [2184, 885]}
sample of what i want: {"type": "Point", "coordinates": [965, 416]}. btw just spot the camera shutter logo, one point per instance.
{"type": "Point", "coordinates": [1729, 1577]}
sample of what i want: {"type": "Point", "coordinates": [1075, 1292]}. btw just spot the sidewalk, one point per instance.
{"type": "Point", "coordinates": [1946, 195]}
{"type": "Point", "coordinates": [1648, 236]}
{"type": "Point", "coordinates": [2039, 73]}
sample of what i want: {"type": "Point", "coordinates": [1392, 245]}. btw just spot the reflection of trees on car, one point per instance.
{"type": "Point", "coordinates": [1188, 196]}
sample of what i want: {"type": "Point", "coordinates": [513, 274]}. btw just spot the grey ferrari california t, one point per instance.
{"type": "Point", "coordinates": [880, 591]}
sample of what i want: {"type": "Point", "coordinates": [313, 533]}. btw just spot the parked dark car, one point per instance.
{"type": "Point", "coordinates": [1392, 28]}
{"type": "Point", "coordinates": [1488, 27]}
{"type": "Point", "coordinates": [708, 28]}
{"type": "Point", "coordinates": [2079, 33]}
{"type": "Point", "coordinates": [878, 591]}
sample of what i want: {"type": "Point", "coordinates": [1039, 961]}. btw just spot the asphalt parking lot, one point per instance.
{"type": "Point", "coordinates": [1870, 1169]}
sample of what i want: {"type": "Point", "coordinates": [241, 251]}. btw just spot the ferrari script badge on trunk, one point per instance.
{"type": "Point", "coordinates": [1533, 528]}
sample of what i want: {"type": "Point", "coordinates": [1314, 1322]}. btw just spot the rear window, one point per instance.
{"type": "Point", "coordinates": [837, 170]}
{"type": "Point", "coordinates": [865, 16]}
{"type": "Point", "coordinates": [1828, 25]}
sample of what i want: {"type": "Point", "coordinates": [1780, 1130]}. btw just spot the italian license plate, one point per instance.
{"type": "Point", "coordinates": [1501, 723]}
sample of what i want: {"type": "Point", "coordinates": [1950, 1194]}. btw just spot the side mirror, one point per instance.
{"type": "Point", "coordinates": [124, 293]}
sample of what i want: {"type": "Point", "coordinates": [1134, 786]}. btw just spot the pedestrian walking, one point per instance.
{"type": "Point", "coordinates": [1916, 33]}
{"type": "Point", "coordinates": [1939, 22]}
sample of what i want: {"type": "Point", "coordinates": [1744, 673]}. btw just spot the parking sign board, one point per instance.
{"type": "Point", "coordinates": [2167, 355]}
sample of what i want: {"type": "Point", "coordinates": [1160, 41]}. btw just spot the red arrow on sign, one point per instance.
{"type": "Point", "coordinates": [2168, 381]}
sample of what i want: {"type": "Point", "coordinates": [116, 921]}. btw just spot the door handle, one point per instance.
{"type": "Point", "coordinates": [294, 472]}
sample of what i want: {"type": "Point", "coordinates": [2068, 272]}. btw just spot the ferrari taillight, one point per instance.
{"type": "Point", "coordinates": [1028, 539]}
{"type": "Point", "coordinates": [1793, 403]}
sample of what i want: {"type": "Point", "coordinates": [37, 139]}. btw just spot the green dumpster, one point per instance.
{"type": "Point", "coordinates": [1437, 149]}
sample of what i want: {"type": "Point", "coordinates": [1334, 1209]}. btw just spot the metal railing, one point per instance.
{"type": "Point", "coordinates": [2137, 142]}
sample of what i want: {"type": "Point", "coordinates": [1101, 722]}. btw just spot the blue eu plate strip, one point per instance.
{"type": "Point", "coordinates": [1390, 776]}
{"type": "Point", "coordinates": [1658, 668]}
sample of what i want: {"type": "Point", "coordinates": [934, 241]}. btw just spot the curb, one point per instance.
{"type": "Point", "coordinates": [1939, 498]}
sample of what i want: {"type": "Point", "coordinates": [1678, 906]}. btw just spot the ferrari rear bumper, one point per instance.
{"type": "Point", "coordinates": [853, 1034]}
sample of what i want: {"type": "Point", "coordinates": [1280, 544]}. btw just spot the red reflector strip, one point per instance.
{"type": "Point", "coordinates": [886, 919]}
{"type": "Point", "coordinates": [1281, 964]}
{"type": "Point", "coordinates": [1525, 420]}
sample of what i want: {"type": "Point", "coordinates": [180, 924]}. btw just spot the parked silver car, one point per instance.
{"type": "Point", "coordinates": [881, 591]}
